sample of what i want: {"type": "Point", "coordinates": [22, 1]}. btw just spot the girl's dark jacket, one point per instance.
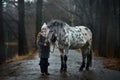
{"type": "Point", "coordinates": [44, 51]}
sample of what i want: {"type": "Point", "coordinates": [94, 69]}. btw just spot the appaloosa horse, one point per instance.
{"type": "Point", "coordinates": [78, 37]}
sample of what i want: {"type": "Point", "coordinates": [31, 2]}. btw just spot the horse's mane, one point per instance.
{"type": "Point", "coordinates": [56, 23]}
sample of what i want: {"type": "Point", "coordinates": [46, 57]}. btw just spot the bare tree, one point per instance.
{"type": "Point", "coordinates": [101, 16]}
{"type": "Point", "coordinates": [22, 42]}
{"type": "Point", "coordinates": [2, 41]}
{"type": "Point", "coordinates": [112, 47]}
{"type": "Point", "coordinates": [39, 5]}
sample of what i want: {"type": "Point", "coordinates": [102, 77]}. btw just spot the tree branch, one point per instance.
{"type": "Point", "coordinates": [11, 30]}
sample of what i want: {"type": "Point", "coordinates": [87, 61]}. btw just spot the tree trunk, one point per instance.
{"type": "Point", "coordinates": [2, 41]}
{"type": "Point", "coordinates": [39, 6]}
{"type": "Point", "coordinates": [112, 46]}
{"type": "Point", "coordinates": [22, 42]}
{"type": "Point", "coordinates": [104, 24]}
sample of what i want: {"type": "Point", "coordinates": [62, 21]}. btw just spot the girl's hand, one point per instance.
{"type": "Point", "coordinates": [45, 44]}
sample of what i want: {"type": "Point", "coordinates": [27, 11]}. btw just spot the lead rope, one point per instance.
{"type": "Point", "coordinates": [54, 48]}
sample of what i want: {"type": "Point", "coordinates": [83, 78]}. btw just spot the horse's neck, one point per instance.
{"type": "Point", "coordinates": [62, 33]}
{"type": "Point", "coordinates": [63, 30]}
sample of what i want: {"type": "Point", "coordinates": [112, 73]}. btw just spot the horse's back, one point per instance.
{"type": "Point", "coordinates": [78, 36]}
{"type": "Point", "coordinates": [86, 32]}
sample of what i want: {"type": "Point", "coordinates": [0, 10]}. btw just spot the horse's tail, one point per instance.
{"type": "Point", "coordinates": [90, 53]}
{"type": "Point", "coordinates": [90, 57]}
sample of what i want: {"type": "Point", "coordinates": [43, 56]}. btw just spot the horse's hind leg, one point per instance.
{"type": "Point", "coordinates": [83, 62]}
{"type": "Point", "coordinates": [89, 60]}
{"type": "Point", "coordinates": [61, 63]}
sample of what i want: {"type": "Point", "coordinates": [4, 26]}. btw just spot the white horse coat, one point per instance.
{"type": "Point", "coordinates": [78, 37]}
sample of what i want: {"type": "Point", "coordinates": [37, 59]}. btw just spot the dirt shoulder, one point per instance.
{"type": "Point", "coordinates": [31, 54]}
{"type": "Point", "coordinates": [113, 64]}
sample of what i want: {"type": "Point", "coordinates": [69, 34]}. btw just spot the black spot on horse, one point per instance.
{"type": "Point", "coordinates": [86, 34]}
{"type": "Point", "coordinates": [79, 34]}
{"type": "Point", "coordinates": [79, 29]}
{"type": "Point", "coordinates": [86, 28]}
{"type": "Point", "coordinates": [76, 35]}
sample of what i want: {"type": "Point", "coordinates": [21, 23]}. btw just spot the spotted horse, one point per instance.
{"type": "Point", "coordinates": [78, 37]}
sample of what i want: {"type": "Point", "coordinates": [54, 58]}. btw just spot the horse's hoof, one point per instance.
{"type": "Point", "coordinates": [61, 70]}
{"type": "Point", "coordinates": [87, 69]}
{"type": "Point", "coordinates": [81, 69]}
{"type": "Point", "coordinates": [65, 70]}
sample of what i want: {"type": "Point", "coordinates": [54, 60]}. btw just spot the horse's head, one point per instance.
{"type": "Point", "coordinates": [54, 27]}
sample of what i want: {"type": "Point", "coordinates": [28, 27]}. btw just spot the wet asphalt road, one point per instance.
{"type": "Point", "coordinates": [28, 69]}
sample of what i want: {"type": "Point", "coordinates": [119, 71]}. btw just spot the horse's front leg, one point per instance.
{"type": "Point", "coordinates": [63, 60]}
{"type": "Point", "coordinates": [63, 63]}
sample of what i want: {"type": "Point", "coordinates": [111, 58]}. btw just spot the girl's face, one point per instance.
{"type": "Point", "coordinates": [43, 30]}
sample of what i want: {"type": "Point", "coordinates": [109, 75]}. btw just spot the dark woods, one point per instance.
{"type": "Point", "coordinates": [22, 40]}
{"type": "Point", "coordinates": [21, 20]}
{"type": "Point", "coordinates": [101, 16]}
{"type": "Point", "coordinates": [2, 40]}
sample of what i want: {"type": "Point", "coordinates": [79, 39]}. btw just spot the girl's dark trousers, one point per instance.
{"type": "Point", "coordinates": [44, 65]}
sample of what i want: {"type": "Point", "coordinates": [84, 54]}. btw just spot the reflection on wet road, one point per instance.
{"type": "Point", "coordinates": [29, 69]}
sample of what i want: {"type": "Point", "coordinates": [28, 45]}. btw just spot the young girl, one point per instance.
{"type": "Point", "coordinates": [44, 51]}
